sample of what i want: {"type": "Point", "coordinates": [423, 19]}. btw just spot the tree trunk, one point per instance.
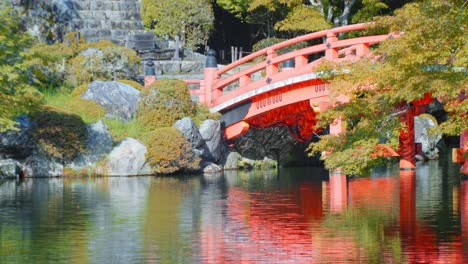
{"type": "Point", "coordinates": [330, 12]}
{"type": "Point", "coordinates": [318, 4]}
{"type": "Point", "coordinates": [348, 4]}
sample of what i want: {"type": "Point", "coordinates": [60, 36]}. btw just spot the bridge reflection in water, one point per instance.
{"type": "Point", "coordinates": [374, 220]}
{"type": "Point", "coordinates": [299, 216]}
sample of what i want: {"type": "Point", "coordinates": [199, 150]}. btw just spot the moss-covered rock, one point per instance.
{"type": "Point", "coordinates": [61, 135]}
{"type": "Point", "coordinates": [164, 102]}
{"type": "Point", "coordinates": [169, 152]}
{"type": "Point", "coordinates": [102, 61]}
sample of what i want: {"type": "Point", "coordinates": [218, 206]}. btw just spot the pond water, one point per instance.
{"type": "Point", "coordinates": [297, 216]}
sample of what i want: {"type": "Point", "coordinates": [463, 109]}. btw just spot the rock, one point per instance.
{"type": "Point", "coordinates": [271, 142]}
{"type": "Point", "coordinates": [268, 163]}
{"type": "Point", "coordinates": [91, 52]}
{"type": "Point", "coordinates": [422, 126]}
{"type": "Point", "coordinates": [232, 160]}
{"type": "Point", "coordinates": [211, 168]}
{"type": "Point", "coordinates": [10, 168]}
{"type": "Point", "coordinates": [420, 157]}
{"type": "Point", "coordinates": [190, 55]}
{"type": "Point", "coordinates": [99, 145]}
{"type": "Point", "coordinates": [120, 100]}
{"type": "Point", "coordinates": [40, 164]}
{"type": "Point", "coordinates": [179, 67]}
{"type": "Point", "coordinates": [190, 130]}
{"type": "Point", "coordinates": [246, 164]}
{"type": "Point", "coordinates": [17, 144]}
{"type": "Point", "coordinates": [210, 130]}
{"type": "Point", "coordinates": [128, 158]}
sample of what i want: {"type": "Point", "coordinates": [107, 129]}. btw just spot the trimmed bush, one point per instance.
{"type": "Point", "coordinates": [203, 113]}
{"type": "Point", "coordinates": [61, 135]}
{"type": "Point", "coordinates": [110, 62]}
{"type": "Point", "coordinates": [79, 90]}
{"type": "Point", "coordinates": [169, 151]}
{"type": "Point", "coordinates": [132, 83]}
{"type": "Point", "coordinates": [163, 103]}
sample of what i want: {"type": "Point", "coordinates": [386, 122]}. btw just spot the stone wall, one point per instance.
{"type": "Point", "coordinates": [112, 20]}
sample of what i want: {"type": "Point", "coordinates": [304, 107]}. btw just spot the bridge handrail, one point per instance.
{"type": "Point", "coordinates": [289, 42]}
{"type": "Point", "coordinates": [302, 52]}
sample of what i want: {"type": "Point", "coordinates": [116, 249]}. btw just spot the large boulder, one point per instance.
{"type": "Point", "coordinates": [120, 100]}
{"type": "Point", "coordinates": [210, 130]}
{"type": "Point", "coordinates": [128, 158]}
{"type": "Point", "coordinates": [17, 144]}
{"type": "Point", "coordinates": [99, 144]}
{"type": "Point", "coordinates": [232, 160]}
{"type": "Point", "coordinates": [211, 168]}
{"type": "Point", "coordinates": [39, 164]}
{"type": "Point", "coordinates": [190, 131]}
{"type": "Point", "coordinates": [422, 134]}
{"type": "Point", "coordinates": [10, 168]}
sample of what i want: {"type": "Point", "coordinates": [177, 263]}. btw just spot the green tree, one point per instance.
{"type": "Point", "coordinates": [301, 16]}
{"type": "Point", "coordinates": [17, 94]}
{"type": "Point", "coordinates": [430, 57]}
{"type": "Point", "coordinates": [189, 21]}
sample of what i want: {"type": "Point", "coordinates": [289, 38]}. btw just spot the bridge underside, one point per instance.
{"type": "Point", "coordinates": [275, 143]}
{"type": "Point", "coordinates": [292, 106]}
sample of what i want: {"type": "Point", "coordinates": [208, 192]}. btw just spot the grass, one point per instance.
{"type": "Point", "coordinates": [88, 110]}
{"type": "Point", "coordinates": [120, 130]}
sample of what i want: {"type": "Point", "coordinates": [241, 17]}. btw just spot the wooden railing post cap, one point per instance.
{"type": "Point", "coordinates": [331, 34]}
{"type": "Point", "coordinates": [211, 61]}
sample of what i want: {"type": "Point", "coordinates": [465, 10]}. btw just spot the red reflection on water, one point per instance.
{"type": "Point", "coordinates": [288, 225]}
{"type": "Point", "coordinates": [464, 217]}
{"type": "Point", "coordinates": [419, 241]}
{"type": "Point", "coordinates": [338, 193]}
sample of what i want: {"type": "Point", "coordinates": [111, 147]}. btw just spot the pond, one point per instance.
{"type": "Point", "coordinates": [299, 215]}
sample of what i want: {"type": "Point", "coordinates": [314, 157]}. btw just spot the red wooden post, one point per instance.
{"type": "Point", "coordinates": [331, 53]}
{"type": "Point", "coordinates": [271, 68]}
{"type": "Point", "coordinates": [464, 149]}
{"type": "Point", "coordinates": [407, 145]}
{"type": "Point", "coordinates": [211, 67]}
{"type": "Point", "coordinates": [150, 73]}
{"type": "Point", "coordinates": [337, 127]}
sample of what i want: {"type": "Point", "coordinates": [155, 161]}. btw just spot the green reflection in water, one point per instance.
{"type": "Point", "coordinates": [370, 230]}
{"type": "Point", "coordinates": [164, 238]}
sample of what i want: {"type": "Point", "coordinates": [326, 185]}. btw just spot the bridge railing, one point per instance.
{"type": "Point", "coordinates": [272, 67]}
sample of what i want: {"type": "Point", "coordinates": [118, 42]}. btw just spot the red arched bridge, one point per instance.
{"type": "Point", "coordinates": [280, 86]}
{"type": "Point", "coordinates": [274, 87]}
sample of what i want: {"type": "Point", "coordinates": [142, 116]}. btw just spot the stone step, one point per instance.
{"type": "Point", "coordinates": [94, 35]}
{"type": "Point", "coordinates": [107, 24]}
{"type": "Point", "coordinates": [106, 5]}
{"type": "Point", "coordinates": [111, 15]}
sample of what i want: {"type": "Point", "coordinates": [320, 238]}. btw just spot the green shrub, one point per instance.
{"type": "Point", "coordinates": [61, 135]}
{"type": "Point", "coordinates": [111, 62]}
{"type": "Point", "coordinates": [74, 40]}
{"type": "Point", "coordinates": [79, 90]}
{"type": "Point", "coordinates": [48, 64]}
{"type": "Point", "coordinates": [268, 42]}
{"type": "Point", "coordinates": [101, 44]}
{"type": "Point", "coordinates": [163, 103]}
{"type": "Point", "coordinates": [169, 151]}
{"type": "Point", "coordinates": [132, 83]}
{"type": "Point", "coordinates": [203, 113]}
